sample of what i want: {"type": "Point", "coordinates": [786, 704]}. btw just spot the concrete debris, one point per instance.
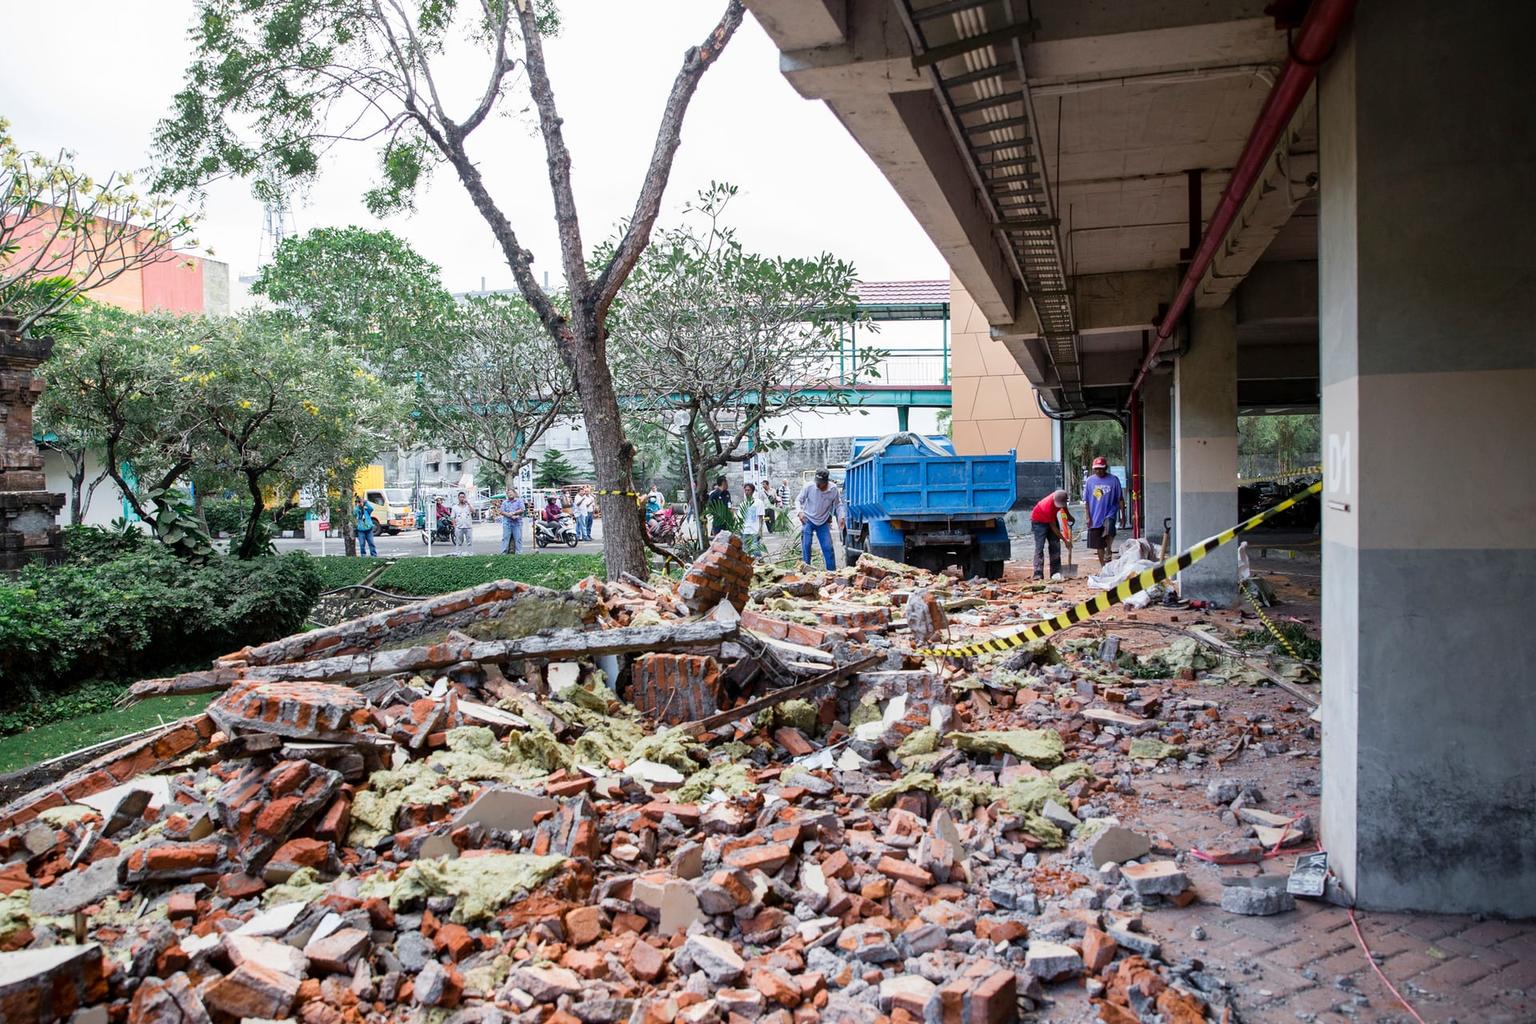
{"type": "Point", "coordinates": [454, 812]}
{"type": "Point", "coordinates": [1263, 896]}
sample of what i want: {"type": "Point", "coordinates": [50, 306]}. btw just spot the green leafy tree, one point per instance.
{"type": "Point", "coordinates": [731, 338]}
{"type": "Point", "coordinates": [378, 297]}
{"type": "Point", "coordinates": [369, 288]}
{"type": "Point", "coordinates": [554, 470]}
{"type": "Point", "coordinates": [64, 232]}
{"type": "Point", "coordinates": [1277, 444]}
{"type": "Point", "coordinates": [117, 384]}
{"type": "Point", "coordinates": [283, 409]}
{"type": "Point", "coordinates": [1085, 441]}
{"type": "Point", "coordinates": [271, 86]}
{"type": "Point", "coordinates": [496, 388]}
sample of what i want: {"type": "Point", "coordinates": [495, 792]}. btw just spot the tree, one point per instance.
{"type": "Point", "coordinates": [115, 384]}
{"type": "Point", "coordinates": [272, 85]}
{"type": "Point", "coordinates": [283, 409]}
{"type": "Point", "coordinates": [369, 288]}
{"type": "Point", "coordinates": [376, 294]}
{"type": "Point", "coordinates": [554, 470]}
{"type": "Point", "coordinates": [733, 339]}
{"type": "Point", "coordinates": [496, 387]}
{"type": "Point", "coordinates": [63, 233]}
{"type": "Point", "coordinates": [175, 398]}
{"type": "Point", "coordinates": [1086, 440]}
{"type": "Point", "coordinates": [1277, 444]}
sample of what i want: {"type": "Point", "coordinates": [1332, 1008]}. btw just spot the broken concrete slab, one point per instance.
{"type": "Point", "coordinates": [1155, 878]}
{"type": "Point", "coordinates": [1263, 896]}
{"type": "Point", "coordinates": [1116, 845]}
{"type": "Point", "coordinates": [47, 985]}
{"type": "Point", "coordinates": [75, 890]}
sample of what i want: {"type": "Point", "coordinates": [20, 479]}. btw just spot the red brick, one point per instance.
{"type": "Point", "coordinates": [1098, 950]}
{"type": "Point", "coordinates": [181, 856]}
{"type": "Point", "coordinates": [583, 925]}
{"type": "Point", "coordinates": [904, 871]}
{"type": "Point", "coordinates": [455, 940]}
{"type": "Point", "coordinates": [765, 858]}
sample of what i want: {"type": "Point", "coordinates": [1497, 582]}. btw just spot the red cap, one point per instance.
{"type": "Point", "coordinates": [1100, 463]}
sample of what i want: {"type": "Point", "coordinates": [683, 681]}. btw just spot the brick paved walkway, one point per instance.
{"type": "Point", "coordinates": [1306, 965]}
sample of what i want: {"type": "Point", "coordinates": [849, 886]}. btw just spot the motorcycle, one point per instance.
{"type": "Point", "coordinates": [442, 533]}
{"type": "Point", "coordinates": [561, 532]}
{"type": "Point", "coordinates": [662, 527]}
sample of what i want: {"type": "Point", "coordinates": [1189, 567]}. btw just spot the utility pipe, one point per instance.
{"type": "Point", "coordinates": [1313, 43]}
{"type": "Point", "coordinates": [1136, 468]}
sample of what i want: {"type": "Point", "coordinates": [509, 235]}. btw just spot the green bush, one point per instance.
{"type": "Point", "coordinates": [227, 515]}
{"type": "Point", "coordinates": [426, 576]}
{"type": "Point", "coordinates": [91, 545]}
{"type": "Point", "coordinates": [141, 614]}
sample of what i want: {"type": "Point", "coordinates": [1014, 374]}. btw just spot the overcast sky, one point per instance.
{"type": "Point", "coordinates": [99, 84]}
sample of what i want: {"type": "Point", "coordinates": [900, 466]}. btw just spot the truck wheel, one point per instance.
{"type": "Point", "coordinates": [994, 569]}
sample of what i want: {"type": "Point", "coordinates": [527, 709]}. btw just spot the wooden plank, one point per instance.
{"type": "Point", "coordinates": [788, 693]}
{"type": "Point", "coordinates": [559, 645]}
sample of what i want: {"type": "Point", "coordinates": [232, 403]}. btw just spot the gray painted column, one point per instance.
{"type": "Point", "coordinates": [1428, 365]}
{"type": "Point", "coordinates": [1157, 454]}
{"type": "Point", "coordinates": [1205, 452]}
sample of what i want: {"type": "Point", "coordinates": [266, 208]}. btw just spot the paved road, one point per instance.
{"type": "Point", "coordinates": [487, 541]}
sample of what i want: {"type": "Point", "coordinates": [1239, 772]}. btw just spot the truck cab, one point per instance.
{"type": "Point", "coordinates": [392, 510]}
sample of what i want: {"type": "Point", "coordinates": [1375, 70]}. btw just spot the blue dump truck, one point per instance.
{"type": "Point", "coordinates": [912, 499]}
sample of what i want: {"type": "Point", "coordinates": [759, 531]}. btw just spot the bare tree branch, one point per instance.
{"type": "Point", "coordinates": [668, 136]}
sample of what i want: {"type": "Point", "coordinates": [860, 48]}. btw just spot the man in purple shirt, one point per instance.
{"type": "Point", "coordinates": [1101, 498]}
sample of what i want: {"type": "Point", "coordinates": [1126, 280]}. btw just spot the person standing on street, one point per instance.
{"type": "Point", "coordinates": [364, 522]}
{"type": "Point", "coordinates": [1042, 521]}
{"type": "Point", "coordinates": [816, 506]}
{"type": "Point", "coordinates": [717, 506]}
{"type": "Point", "coordinates": [512, 511]}
{"type": "Point", "coordinates": [1101, 501]}
{"type": "Point", "coordinates": [463, 526]}
{"type": "Point", "coordinates": [753, 520]}
{"type": "Point", "coordinates": [584, 507]}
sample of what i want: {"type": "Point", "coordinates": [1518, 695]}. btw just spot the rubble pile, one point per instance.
{"type": "Point", "coordinates": [780, 814]}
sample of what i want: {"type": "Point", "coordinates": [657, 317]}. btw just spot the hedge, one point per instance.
{"type": "Point", "coordinates": [341, 571]}
{"type": "Point", "coordinates": [140, 613]}
{"type": "Point", "coordinates": [426, 576]}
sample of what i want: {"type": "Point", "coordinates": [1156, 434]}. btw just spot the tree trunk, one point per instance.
{"type": "Point", "coordinates": [76, 483]}
{"type": "Point", "coordinates": [348, 520]}
{"type": "Point", "coordinates": [251, 545]}
{"type": "Point", "coordinates": [613, 456]}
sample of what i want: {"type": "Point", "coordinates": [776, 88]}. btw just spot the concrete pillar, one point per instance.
{"type": "Point", "coordinates": [1428, 367]}
{"type": "Point", "coordinates": [1205, 451]}
{"type": "Point", "coordinates": [1157, 454]}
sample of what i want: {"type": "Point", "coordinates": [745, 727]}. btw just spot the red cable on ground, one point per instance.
{"type": "Point", "coordinates": [1353, 923]}
{"type": "Point", "coordinates": [1384, 980]}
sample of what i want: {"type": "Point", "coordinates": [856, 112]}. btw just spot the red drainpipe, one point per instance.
{"type": "Point", "coordinates": [1135, 434]}
{"type": "Point", "coordinates": [1312, 45]}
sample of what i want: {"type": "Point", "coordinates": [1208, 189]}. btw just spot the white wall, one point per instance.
{"type": "Point", "coordinates": [106, 504]}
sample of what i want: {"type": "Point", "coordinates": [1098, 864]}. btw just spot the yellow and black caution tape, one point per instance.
{"type": "Point", "coordinates": [1274, 630]}
{"type": "Point", "coordinates": [623, 494]}
{"type": "Point", "coordinates": [1134, 585]}
{"type": "Point", "coordinates": [1277, 477]}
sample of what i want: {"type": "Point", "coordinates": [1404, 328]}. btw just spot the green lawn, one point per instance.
{"type": "Point", "coordinates": [46, 741]}
{"type": "Point", "coordinates": [428, 576]}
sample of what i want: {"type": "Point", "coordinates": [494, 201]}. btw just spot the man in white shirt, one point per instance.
{"type": "Point", "coordinates": [463, 526]}
{"type": "Point", "coordinates": [817, 504]}
{"type": "Point", "coordinates": [584, 507]}
{"type": "Point", "coordinates": [753, 515]}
